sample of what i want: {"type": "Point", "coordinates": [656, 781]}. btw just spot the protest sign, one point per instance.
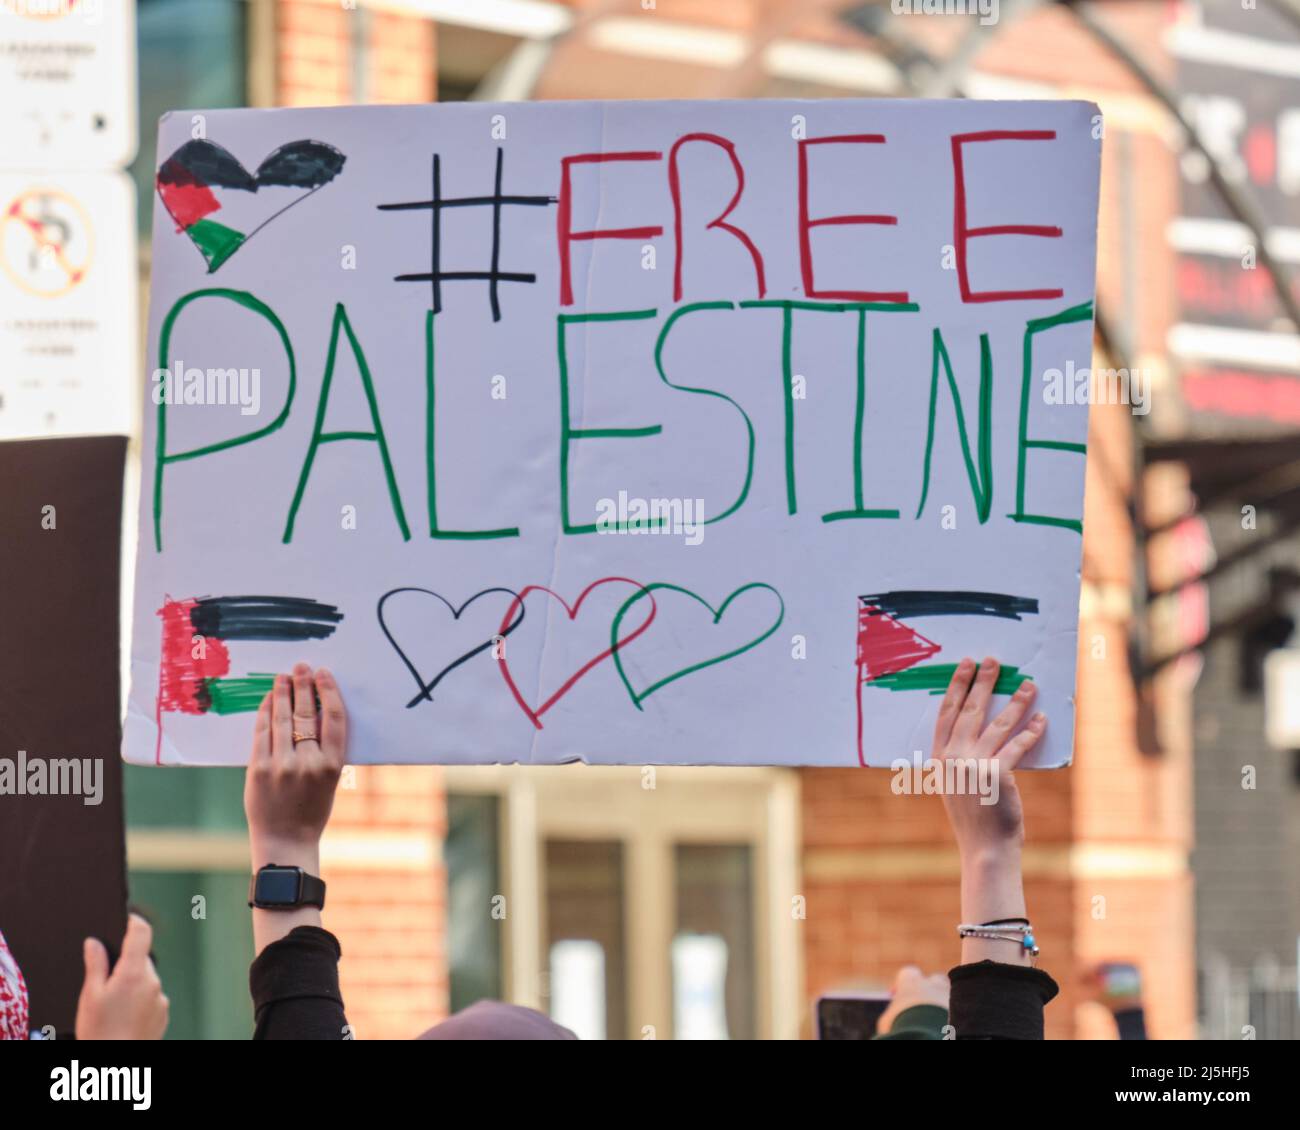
{"type": "Point", "coordinates": [625, 432]}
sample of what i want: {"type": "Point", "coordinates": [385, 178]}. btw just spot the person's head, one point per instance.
{"type": "Point", "coordinates": [495, 1020]}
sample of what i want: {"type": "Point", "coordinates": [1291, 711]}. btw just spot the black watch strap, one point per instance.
{"type": "Point", "coordinates": [313, 891]}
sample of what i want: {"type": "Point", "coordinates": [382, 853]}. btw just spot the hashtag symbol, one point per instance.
{"type": "Point", "coordinates": [493, 277]}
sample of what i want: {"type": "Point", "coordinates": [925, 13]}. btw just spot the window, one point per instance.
{"type": "Point", "coordinates": [203, 944]}
{"type": "Point", "coordinates": [586, 984]}
{"type": "Point", "coordinates": [713, 947]}
{"type": "Point", "coordinates": [191, 56]}
{"type": "Point", "coordinates": [475, 912]}
{"type": "Point", "coordinates": [642, 903]}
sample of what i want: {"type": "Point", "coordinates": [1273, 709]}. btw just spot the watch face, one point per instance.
{"type": "Point", "coordinates": [279, 886]}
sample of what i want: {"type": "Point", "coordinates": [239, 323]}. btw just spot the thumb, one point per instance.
{"type": "Point", "coordinates": [907, 977]}
{"type": "Point", "coordinates": [96, 958]}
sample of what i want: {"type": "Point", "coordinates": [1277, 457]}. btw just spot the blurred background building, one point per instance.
{"type": "Point", "coordinates": [722, 902]}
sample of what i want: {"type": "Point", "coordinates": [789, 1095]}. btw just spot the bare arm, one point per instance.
{"type": "Point", "coordinates": [289, 786]}
{"type": "Point", "coordinates": [990, 836]}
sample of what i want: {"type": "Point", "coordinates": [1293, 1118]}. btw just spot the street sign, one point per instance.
{"type": "Point", "coordinates": [67, 84]}
{"type": "Point", "coordinates": [68, 317]}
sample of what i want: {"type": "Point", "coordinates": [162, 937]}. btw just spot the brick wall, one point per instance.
{"type": "Point", "coordinates": [1106, 866]}
{"type": "Point", "coordinates": [1106, 871]}
{"type": "Point", "coordinates": [382, 854]}
{"type": "Point", "coordinates": [387, 904]}
{"type": "Point", "coordinates": [318, 63]}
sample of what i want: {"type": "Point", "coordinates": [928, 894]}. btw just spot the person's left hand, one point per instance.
{"type": "Point", "coordinates": [297, 759]}
{"type": "Point", "coordinates": [127, 1004]}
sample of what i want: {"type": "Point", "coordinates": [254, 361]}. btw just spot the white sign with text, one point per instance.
{"type": "Point", "coordinates": [674, 432]}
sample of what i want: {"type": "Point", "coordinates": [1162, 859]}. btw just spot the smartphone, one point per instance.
{"type": "Point", "coordinates": [849, 1015]}
{"type": "Point", "coordinates": [1119, 979]}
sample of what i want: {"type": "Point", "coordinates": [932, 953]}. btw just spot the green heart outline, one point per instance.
{"type": "Point", "coordinates": [718, 613]}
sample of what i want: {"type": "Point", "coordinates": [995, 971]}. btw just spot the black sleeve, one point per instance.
{"type": "Point", "coordinates": [994, 1001]}
{"type": "Point", "coordinates": [1131, 1023]}
{"type": "Point", "coordinates": [295, 987]}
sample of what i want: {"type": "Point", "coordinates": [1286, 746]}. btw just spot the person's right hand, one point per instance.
{"type": "Point", "coordinates": [960, 733]}
{"type": "Point", "coordinates": [912, 987]}
{"type": "Point", "coordinates": [990, 829]}
{"type": "Point", "coordinates": [127, 1004]}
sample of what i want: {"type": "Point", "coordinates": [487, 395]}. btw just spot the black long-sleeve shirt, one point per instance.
{"type": "Point", "coordinates": [994, 1001]}
{"type": "Point", "coordinates": [295, 987]}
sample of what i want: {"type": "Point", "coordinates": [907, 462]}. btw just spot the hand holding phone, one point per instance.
{"type": "Point", "coordinates": [863, 1015]}
{"type": "Point", "coordinates": [849, 1015]}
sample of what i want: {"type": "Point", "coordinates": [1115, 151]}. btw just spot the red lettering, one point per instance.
{"type": "Point", "coordinates": [962, 234]}
{"type": "Point", "coordinates": [564, 219]}
{"type": "Point", "coordinates": [675, 187]}
{"type": "Point", "coordinates": [806, 224]}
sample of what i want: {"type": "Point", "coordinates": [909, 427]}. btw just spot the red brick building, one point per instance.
{"type": "Point", "coordinates": [448, 884]}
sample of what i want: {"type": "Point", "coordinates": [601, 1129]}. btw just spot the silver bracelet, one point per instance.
{"type": "Point", "coordinates": [1022, 935]}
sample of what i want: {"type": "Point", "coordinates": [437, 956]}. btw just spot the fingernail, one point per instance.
{"type": "Point", "coordinates": [301, 669]}
{"type": "Point", "coordinates": [989, 664]}
{"type": "Point", "coordinates": [323, 673]}
{"type": "Point", "coordinates": [1038, 719]}
{"type": "Point", "coordinates": [966, 664]}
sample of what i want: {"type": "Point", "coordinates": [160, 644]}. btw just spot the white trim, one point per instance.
{"type": "Point", "coordinates": [1229, 239]}
{"type": "Point", "coordinates": [669, 40]}
{"type": "Point", "coordinates": [846, 67]}
{"type": "Point", "coordinates": [379, 851]}
{"type": "Point", "coordinates": [523, 19]}
{"type": "Point", "coordinates": [521, 879]}
{"type": "Point", "coordinates": [1199, 44]}
{"type": "Point", "coordinates": [178, 849]}
{"type": "Point", "coordinates": [1243, 347]}
{"type": "Point", "coordinates": [784, 984]}
{"type": "Point", "coordinates": [169, 849]}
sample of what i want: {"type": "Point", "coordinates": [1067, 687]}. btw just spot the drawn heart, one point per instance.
{"type": "Point", "coordinates": [639, 697]}
{"type": "Point", "coordinates": [535, 715]}
{"type": "Point", "coordinates": [426, 689]}
{"type": "Point", "coordinates": [193, 181]}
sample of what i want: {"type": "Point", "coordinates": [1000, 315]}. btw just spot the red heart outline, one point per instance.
{"type": "Point", "coordinates": [535, 716]}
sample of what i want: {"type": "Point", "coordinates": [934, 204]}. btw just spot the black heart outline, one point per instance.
{"type": "Point", "coordinates": [278, 169]}
{"type": "Point", "coordinates": [426, 689]}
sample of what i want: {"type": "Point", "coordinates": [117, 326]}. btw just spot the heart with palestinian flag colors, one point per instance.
{"type": "Point", "coordinates": [201, 178]}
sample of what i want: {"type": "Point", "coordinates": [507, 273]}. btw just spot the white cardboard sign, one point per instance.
{"type": "Point", "coordinates": [676, 432]}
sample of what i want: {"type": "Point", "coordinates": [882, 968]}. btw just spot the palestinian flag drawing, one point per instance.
{"type": "Point", "coordinates": [194, 673]}
{"type": "Point", "coordinates": [892, 653]}
{"type": "Point", "coordinates": [201, 179]}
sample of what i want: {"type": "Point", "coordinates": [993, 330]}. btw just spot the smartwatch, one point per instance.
{"type": "Point", "coordinates": [285, 888]}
